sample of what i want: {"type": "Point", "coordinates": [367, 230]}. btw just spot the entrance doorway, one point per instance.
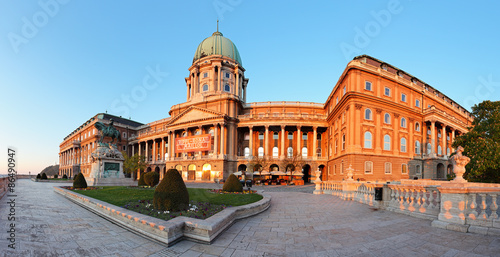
{"type": "Point", "coordinates": [306, 169]}
{"type": "Point", "coordinates": [192, 172]}
{"type": "Point", "coordinates": [440, 171]}
{"type": "Point", "coordinates": [207, 168]}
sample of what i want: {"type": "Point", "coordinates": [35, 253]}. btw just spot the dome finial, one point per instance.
{"type": "Point", "coordinates": [217, 25]}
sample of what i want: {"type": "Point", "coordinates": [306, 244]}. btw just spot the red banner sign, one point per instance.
{"type": "Point", "coordinates": [193, 143]}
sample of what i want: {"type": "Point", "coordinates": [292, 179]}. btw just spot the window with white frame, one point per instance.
{"type": "Point", "coordinates": [387, 142]}
{"type": "Point", "coordinates": [440, 150]}
{"type": "Point", "coordinates": [368, 85]}
{"type": "Point", "coordinates": [387, 91]}
{"type": "Point", "coordinates": [368, 139]}
{"type": "Point", "coordinates": [403, 145]}
{"type": "Point", "coordinates": [227, 88]}
{"type": "Point", "coordinates": [289, 152]}
{"type": "Point", "coordinates": [417, 103]}
{"type": "Point", "coordinates": [342, 167]}
{"type": "Point", "coordinates": [343, 141]}
{"type": "Point", "coordinates": [205, 87]}
{"type": "Point", "coordinates": [304, 152]}
{"type": "Point", "coordinates": [247, 152]}
{"type": "Point", "coordinates": [261, 151]}
{"type": "Point", "coordinates": [403, 122]}
{"type": "Point", "coordinates": [403, 97]}
{"type": "Point", "coordinates": [368, 167]}
{"type": "Point", "coordinates": [344, 90]}
{"type": "Point", "coordinates": [336, 100]}
{"type": "Point", "coordinates": [417, 147]}
{"type": "Point", "coordinates": [275, 152]}
{"type": "Point", "coordinates": [388, 168]}
{"type": "Point", "coordinates": [227, 75]}
{"type": "Point", "coordinates": [387, 118]}
{"type": "Point", "coordinates": [429, 148]}
{"type": "Point", "coordinates": [404, 168]}
{"type": "Point", "coordinates": [417, 126]}
{"type": "Point", "coordinates": [205, 75]}
{"type": "Point", "coordinates": [368, 114]}
{"type": "Point", "coordinates": [448, 152]}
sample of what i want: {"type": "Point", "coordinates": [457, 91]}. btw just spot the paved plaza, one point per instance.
{"type": "Point", "coordinates": [298, 223]}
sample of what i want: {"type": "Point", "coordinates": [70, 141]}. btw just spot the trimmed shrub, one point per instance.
{"type": "Point", "coordinates": [232, 184]}
{"type": "Point", "coordinates": [80, 181]}
{"type": "Point", "coordinates": [152, 178]}
{"type": "Point", "coordinates": [65, 177]}
{"type": "Point", "coordinates": [38, 176]}
{"type": "Point", "coordinates": [141, 181]}
{"type": "Point", "coordinates": [171, 194]}
{"type": "Point", "coordinates": [74, 177]}
{"type": "Point", "coordinates": [44, 176]}
{"type": "Point", "coordinates": [55, 176]}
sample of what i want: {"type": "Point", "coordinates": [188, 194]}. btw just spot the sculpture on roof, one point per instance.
{"type": "Point", "coordinates": [108, 131]}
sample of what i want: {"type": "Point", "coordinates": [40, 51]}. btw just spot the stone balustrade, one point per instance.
{"type": "Point", "coordinates": [465, 207]}
{"type": "Point", "coordinates": [4, 180]}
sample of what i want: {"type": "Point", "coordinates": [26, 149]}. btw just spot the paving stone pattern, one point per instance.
{"type": "Point", "coordinates": [296, 224]}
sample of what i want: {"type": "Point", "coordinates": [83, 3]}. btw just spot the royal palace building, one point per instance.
{"type": "Point", "coordinates": [379, 120]}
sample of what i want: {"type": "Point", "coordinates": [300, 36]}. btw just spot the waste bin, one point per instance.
{"type": "Point", "coordinates": [378, 193]}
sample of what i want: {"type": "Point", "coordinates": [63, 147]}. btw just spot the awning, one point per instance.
{"type": "Point", "coordinates": [238, 173]}
{"type": "Point", "coordinates": [297, 173]}
{"type": "Point", "coordinates": [263, 173]}
{"type": "Point", "coordinates": [279, 173]}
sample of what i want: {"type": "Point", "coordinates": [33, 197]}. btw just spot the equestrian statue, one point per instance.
{"type": "Point", "coordinates": [108, 131]}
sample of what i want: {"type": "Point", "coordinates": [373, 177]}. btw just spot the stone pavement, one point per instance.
{"type": "Point", "coordinates": [296, 224]}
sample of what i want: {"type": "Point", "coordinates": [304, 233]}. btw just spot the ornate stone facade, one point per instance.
{"type": "Point", "coordinates": [381, 121]}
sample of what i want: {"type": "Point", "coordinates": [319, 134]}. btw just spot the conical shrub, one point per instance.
{"type": "Point", "coordinates": [232, 184]}
{"type": "Point", "coordinates": [171, 194]}
{"type": "Point", "coordinates": [151, 178]}
{"type": "Point", "coordinates": [44, 176]}
{"type": "Point", "coordinates": [80, 181]}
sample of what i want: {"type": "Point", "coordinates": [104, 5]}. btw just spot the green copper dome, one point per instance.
{"type": "Point", "coordinates": [217, 45]}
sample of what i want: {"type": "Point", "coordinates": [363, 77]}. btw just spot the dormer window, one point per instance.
{"type": "Point", "coordinates": [384, 66]}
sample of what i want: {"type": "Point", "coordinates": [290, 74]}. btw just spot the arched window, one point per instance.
{"type": "Point", "coordinates": [417, 147]}
{"type": "Point", "coordinates": [227, 88]}
{"type": "Point", "coordinates": [368, 114]}
{"type": "Point", "coordinates": [403, 122]}
{"type": "Point", "coordinates": [247, 152]}
{"type": "Point", "coordinates": [387, 118]}
{"type": "Point", "coordinates": [289, 152]}
{"type": "Point", "coordinates": [261, 151]}
{"type": "Point", "coordinates": [403, 145]}
{"type": "Point", "coordinates": [275, 152]}
{"type": "Point", "coordinates": [368, 167]}
{"type": "Point", "coordinates": [417, 126]}
{"type": "Point", "coordinates": [448, 151]}
{"type": "Point", "coordinates": [387, 142]}
{"type": "Point", "coordinates": [368, 139]}
{"type": "Point", "coordinates": [304, 152]}
{"type": "Point", "coordinates": [197, 132]}
{"type": "Point", "coordinates": [429, 146]}
{"type": "Point", "coordinates": [388, 168]}
{"type": "Point", "coordinates": [440, 150]}
{"type": "Point", "coordinates": [205, 87]}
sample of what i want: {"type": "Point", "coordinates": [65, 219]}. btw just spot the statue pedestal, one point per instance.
{"type": "Point", "coordinates": [107, 168]}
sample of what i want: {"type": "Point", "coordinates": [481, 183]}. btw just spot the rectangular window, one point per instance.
{"type": "Point", "coordinates": [337, 100]}
{"type": "Point", "coordinates": [417, 103]}
{"type": "Point", "coordinates": [344, 91]}
{"type": "Point", "coordinates": [388, 167]}
{"type": "Point", "coordinates": [403, 97]}
{"type": "Point", "coordinates": [368, 85]}
{"type": "Point", "coordinates": [387, 91]}
{"type": "Point", "coordinates": [227, 75]}
{"type": "Point", "coordinates": [404, 168]}
{"type": "Point", "coordinates": [205, 75]}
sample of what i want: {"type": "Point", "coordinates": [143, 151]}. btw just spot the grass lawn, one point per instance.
{"type": "Point", "coordinates": [121, 195]}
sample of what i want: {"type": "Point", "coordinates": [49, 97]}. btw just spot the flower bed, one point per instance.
{"type": "Point", "coordinates": [197, 210]}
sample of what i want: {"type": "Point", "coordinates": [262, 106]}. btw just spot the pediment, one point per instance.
{"type": "Point", "coordinates": [193, 114]}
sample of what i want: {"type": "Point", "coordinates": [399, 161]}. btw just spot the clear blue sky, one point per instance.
{"type": "Point", "coordinates": [62, 63]}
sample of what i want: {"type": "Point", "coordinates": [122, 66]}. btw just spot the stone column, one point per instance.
{"type": "Point", "coordinates": [266, 139]}
{"type": "Point", "coordinates": [283, 141]}
{"type": "Point", "coordinates": [140, 148]}
{"type": "Point", "coordinates": [250, 142]}
{"type": "Point", "coordinates": [433, 137]}
{"type": "Point", "coordinates": [162, 148]}
{"type": "Point", "coordinates": [222, 144]}
{"type": "Point", "coordinates": [315, 142]}
{"type": "Point", "coordinates": [237, 82]}
{"type": "Point", "coordinates": [216, 140]}
{"type": "Point", "coordinates": [172, 145]}
{"type": "Point", "coordinates": [147, 151]}
{"type": "Point", "coordinates": [154, 151]}
{"type": "Point", "coordinates": [452, 138]}
{"type": "Point", "coordinates": [299, 140]}
{"type": "Point", "coordinates": [443, 140]}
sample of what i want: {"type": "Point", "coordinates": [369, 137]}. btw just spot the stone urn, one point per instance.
{"type": "Point", "coordinates": [350, 173]}
{"type": "Point", "coordinates": [459, 161]}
